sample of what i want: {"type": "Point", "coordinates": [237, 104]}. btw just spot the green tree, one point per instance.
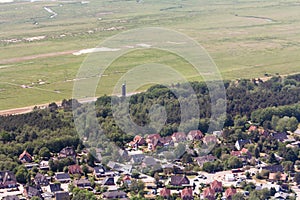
{"type": "Point", "coordinates": [44, 153]}
{"type": "Point", "coordinates": [234, 162]}
{"type": "Point", "coordinates": [238, 196]}
{"type": "Point", "coordinates": [137, 186]}
{"type": "Point", "coordinates": [83, 195]}
{"type": "Point", "coordinates": [22, 175]}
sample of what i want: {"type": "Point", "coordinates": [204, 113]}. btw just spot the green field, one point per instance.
{"type": "Point", "coordinates": [246, 39]}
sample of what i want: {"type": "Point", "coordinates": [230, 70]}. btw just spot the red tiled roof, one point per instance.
{"type": "Point", "coordinates": [126, 178]}
{"type": "Point", "coordinates": [75, 169]}
{"type": "Point", "coordinates": [187, 192]}
{"type": "Point", "coordinates": [179, 136]}
{"type": "Point", "coordinates": [209, 139]}
{"type": "Point", "coordinates": [252, 128]}
{"type": "Point", "coordinates": [165, 192]}
{"type": "Point", "coordinates": [216, 186]}
{"type": "Point", "coordinates": [25, 154]}
{"type": "Point", "coordinates": [209, 193]}
{"type": "Point", "coordinates": [230, 192]}
{"type": "Point", "coordinates": [196, 134]}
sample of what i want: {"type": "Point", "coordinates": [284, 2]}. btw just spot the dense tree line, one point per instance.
{"type": "Point", "coordinates": [54, 128]}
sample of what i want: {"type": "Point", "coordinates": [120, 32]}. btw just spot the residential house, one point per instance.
{"type": "Point", "coordinates": [62, 177]}
{"type": "Point", "coordinates": [166, 141]}
{"type": "Point", "coordinates": [137, 141]}
{"type": "Point", "coordinates": [153, 140]}
{"type": "Point", "coordinates": [62, 195]}
{"type": "Point", "coordinates": [195, 135]}
{"type": "Point", "coordinates": [99, 171]}
{"type": "Point", "coordinates": [209, 194]}
{"type": "Point", "coordinates": [126, 180]}
{"type": "Point", "coordinates": [187, 194]}
{"type": "Point", "coordinates": [165, 193]}
{"type": "Point", "coordinates": [7, 180]}
{"type": "Point", "coordinates": [239, 144]}
{"type": "Point", "coordinates": [44, 165]}
{"type": "Point", "coordinates": [75, 169]}
{"type": "Point", "coordinates": [114, 195]}
{"type": "Point", "coordinates": [124, 154]}
{"type": "Point", "coordinates": [203, 159]}
{"type": "Point", "coordinates": [280, 137]}
{"type": "Point", "coordinates": [121, 168]}
{"type": "Point", "coordinates": [67, 152]}
{"type": "Point", "coordinates": [55, 187]}
{"type": "Point", "coordinates": [149, 162]}
{"type": "Point", "coordinates": [273, 168]}
{"type": "Point", "coordinates": [25, 157]}
{"type": "Point", "coordinates": [229, 192]}
{"type": "Point", "coordinates": [252, 129]}
{"type": "Point", "coordinates": [209, 139]}
{"type": "Point", "coordinates": [41, 179]}
{"type": "Point", "coordinates": [30, 191]}
{"type": "Point", "coordinates": [278, 176]}
{"type": "Point", "coordinates": [137, 159]}
{"type": "Point", "coordinates": [108, 181]}
{"type": "Point", "coordinates": [216, 186]}
{"type": "Point", "coordinates": [243, 154]}
{"type": "Point", "coordinates": [178, 137]}
{"type": "Point", "coordinates": [178, 180]}
{"type": "Point", "coordinates": [218, 133]}
{"type": "Point", "coordinates": [83, 184]}
{"type": "Point", "coordinates": [11, 197]}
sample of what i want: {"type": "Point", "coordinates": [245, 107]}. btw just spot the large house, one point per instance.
{"type": "Point", "coordinates": [203, 159]}
{"type": "Point", "coordinates": [99, 171]}
{"type": "Point", "coordinates": [62, 195]}
{"type": "Point", "coordinates": [82, 183]}
{"type": "Point", "coordinates": [187, 194]}
{"type": "Point", "coordinates": [75, 169]}
{"type": "Point", "coordinates": [209, 139]}
{"type": "Point", "coordinates": [195, 135]}
{"type": "Point", "coordinates": [137, 141]}
{"type": "Point", "coordinates": [25, 157]}
{"type": "Point", "coordinates": [7, 180]}
{"type": "Point", "coordinates": [153, 140]}
{"type": "Point", "coordinates": [114, 195]}
{"type": "Point", "coordinates": [62, 177]}
{"type": "Point", "coordinates": [230, 192]}
{"type": "Point", "coordinates": [178, 180]}
{"type": "Point", "coordinates": [209, 194]}
{"type": "Point", "coordinates": [30, 191]}
{"type": "Point", "coordinates": [165, 193]}
{"type": "Point", "coordinates": [178, 137]}
{"type": "Point", "coordinates": [216, 186]}
{"type": "Point", "coordinates": [241, 143]}
{"type": "Point", "coordinates": [41, 179]}
{"type": "Point", "coordinates": [67, 152]}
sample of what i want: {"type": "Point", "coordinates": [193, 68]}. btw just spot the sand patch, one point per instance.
{"type": "Point", "coordinates": [94, 50]}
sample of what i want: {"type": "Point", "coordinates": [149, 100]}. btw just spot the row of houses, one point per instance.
{"type": "Point", "coordinates": [155, 140]}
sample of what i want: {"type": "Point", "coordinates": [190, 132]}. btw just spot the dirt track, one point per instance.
{"type": "Point", "coordinates": [25, 58]}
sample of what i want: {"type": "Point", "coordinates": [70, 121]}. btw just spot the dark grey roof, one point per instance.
{"type": "Point", "coordinates": [55, 187]}
{"type": "Point", "coordinates": [137, 158]}
{"type": "Point", "coordinates": [114, 195]}
{"type": "Point", "coordinates": [13, 197]}
{"type": "Point", "coordinates": [274, 168]}
{"type": "Point", "coordinates": [62, 176]}
{"type": "Point", "coordinates": [62, 195]}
